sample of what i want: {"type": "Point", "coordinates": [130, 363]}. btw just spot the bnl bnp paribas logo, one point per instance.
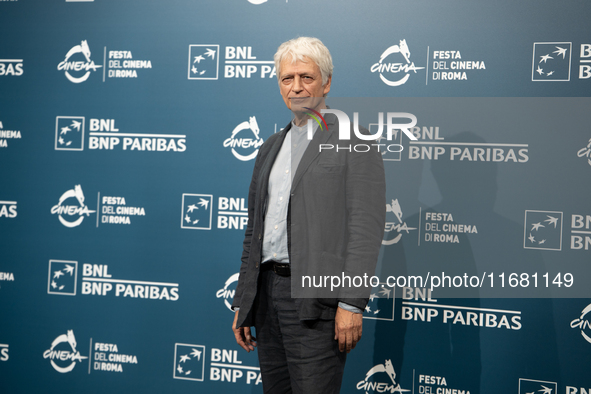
{"type": "Point", "coordinates": [239, 62]}
{"type": "Point", "coordinates": [62, 277]}
{"type": "Point", "coordinates": [189, 362]}
{"type": "Point", "coordinates": [104, 135]}
{"type": "Point", "coordinates": [551, 61]}
{"type": "Point", "coordinates": [395, 66]}
{"type": "Point", "coordinates": [69, 133]}
{"type": "Point", "coordinates": [77, 64]}
{"type": "Point", "coordinates": [543, 230]}
{"type": "Point", "coordinates": [197, 212]}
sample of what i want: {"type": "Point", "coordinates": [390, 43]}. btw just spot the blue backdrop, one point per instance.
{"type": "Point", "coordinates": [127, 137]}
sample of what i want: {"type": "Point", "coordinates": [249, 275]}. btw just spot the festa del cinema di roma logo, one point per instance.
{"type": "Point", "coordinates": [389, 70]}
{"type": "Point", "coordinates": [583, 324]}
{"type": "Point", "coordinates": [227, 292]}
{"type": "Point", "coordinates": [245, 149]}
{"type": "Point", "coordinates": [63, 354]}
{"type": "Point", "coordinates": [75, 68]}
{"type": "Point", "coordinates": [382, 379]}
{"type": "Point", "coordinates": [66, 212]}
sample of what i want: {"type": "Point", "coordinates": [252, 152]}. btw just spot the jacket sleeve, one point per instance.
{"type": "Point", "coordinates": [366, 214]}
{"type": "Point", "coordinates": [252, 191]}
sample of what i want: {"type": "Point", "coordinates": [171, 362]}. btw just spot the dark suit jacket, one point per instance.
{"type": "Point", "coordinates": [335, 222]}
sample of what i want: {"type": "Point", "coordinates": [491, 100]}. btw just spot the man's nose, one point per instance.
{"type": "Point", "coordinates": [297, 85]}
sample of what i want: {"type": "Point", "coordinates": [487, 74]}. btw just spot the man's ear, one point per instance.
{"type": "Point", "coordinates": [327, 85]}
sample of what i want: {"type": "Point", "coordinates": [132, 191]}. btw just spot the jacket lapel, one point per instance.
{"type": "Point", "coordinates": [313, 149]}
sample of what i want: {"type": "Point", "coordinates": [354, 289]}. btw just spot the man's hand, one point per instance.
{"type": "Point", "coordinates": [243, 336]}
{"type": "Point", "coordinates": [347, 329]}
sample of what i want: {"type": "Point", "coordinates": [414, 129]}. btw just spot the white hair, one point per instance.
{"type": "Point", "coordinates": [309, 47]}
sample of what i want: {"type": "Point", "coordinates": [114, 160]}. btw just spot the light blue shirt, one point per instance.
{"type": "Point", "coordinates": [286, 163]}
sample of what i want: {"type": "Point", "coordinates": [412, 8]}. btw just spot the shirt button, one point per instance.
{"type": "Point", "coordinates": [276, 227]}
{"type": "Point", "coordinates": [274, 254]}
{"type": "Point", "coordinates": [286, 171]}
{"type": "Point", "coordinates": [280, 198]}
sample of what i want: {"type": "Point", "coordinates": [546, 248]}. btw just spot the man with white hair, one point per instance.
{"type": "Point", "coordinates": [310, 211]}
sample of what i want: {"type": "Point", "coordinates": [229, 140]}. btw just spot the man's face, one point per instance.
{"type": "Point", "coordinates": [300, 84]}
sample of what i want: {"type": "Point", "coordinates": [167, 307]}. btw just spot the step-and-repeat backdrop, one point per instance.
{"type": "Point", "coordinates": [128, 132]}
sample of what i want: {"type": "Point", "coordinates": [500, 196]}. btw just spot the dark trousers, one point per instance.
{"type": "Point", "coordinates": [295, 356]}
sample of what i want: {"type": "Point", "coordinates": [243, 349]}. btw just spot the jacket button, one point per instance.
{"type": "Point", "coordinates": [256, 265]}
{"type": "Point", "coordinates": [260, 236]}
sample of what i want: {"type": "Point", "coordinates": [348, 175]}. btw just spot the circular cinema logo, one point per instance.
{"type": "Point", "coordinates": [75, 68]}
{"type": "Point", "coordinates": [63, 354]}
{"type": "Point", "coordinates": [395, 65]}
{"type": "Point", "coordinates": [244, 147]}
{"type": "Point", "coordinates": [71, 215]}
{"type": "Point", "coordinates": [381, 379]}
{"type": "Point", "coordinates": [583, 324]}
{"type": "Point", "coordinates": [228, 291]}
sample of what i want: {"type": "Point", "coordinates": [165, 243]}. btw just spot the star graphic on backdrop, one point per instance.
{"type": "Point", "coordinates": [53, 284]}
{"type": "Point", "coordinates": [210, 53]}
{"type": "Point", "coordinates": [545, 390]}
{"type": "Point", "coordinates": [545, 58]}
{"type": "Point", "coordinates": [76, 125]}
{"type": "Point", "coordinates": [531, 239]}
{"type": "Point", "coordinates": [57, 274]}
{"type": "Point", "coordinates": [61, 140]}
{"type": "Point", "coordinates": [184, 358]}
{"type": "Point", "coordinates": [188, 372]}
{"type": "Point", "coordinates": [540, 71]}
{"type": "Point", "coordinates": [196, 353]}
{"type": "Point", "coordinates": [198, 59]}
{"type": "Point", "coordinates": [179, 368]}
{"type": "Point", "coordinates": [536, 226]}
{"type": "Point", "coordinates": [552, 220]}
{"type": "Point", "coordinates": [385, 292]}
{"type": "Point", "coordinates": [195, 222]}
{"type": "Point", "coordinates": [376, 312]}
{"type": "Point", "coordinates": [367, 308]}
{"type": "Point", "coordinates": [69, 269]}
{"type": "Point", "coordinates": [203, 202]}
{"type": "Point", "coordinates": [561, 51]}
{"type": "Point", "coordinates": [550, 73]}
{"type": "Point", "coordinates": [372, 296]}
{"type": "Point", "coordinates": [187, 219]}
{"type": "Point", "coordinates": [65, 130]}
{"type": "Point", "coordinates": [542, 241]}
{"type": "Point", "coordinates": [194, 70]}
{"type": "Point", "coordinates": [192, 207]}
